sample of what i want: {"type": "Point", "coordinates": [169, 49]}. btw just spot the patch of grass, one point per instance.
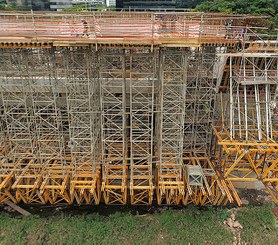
{"type": "Point", "coordinates": [21, 231]}
{"type": "Point", "coordinates": [195, 226]}
{"type": "Point", "coordinates": [259, 224]}
{"type": "Point", "coordinates": [169, 227]}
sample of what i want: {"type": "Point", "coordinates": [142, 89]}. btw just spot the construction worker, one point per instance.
{"type": "Point", "coordinates": [163, 23]}
{"type": "Point", "coordinates": [228, 27]}
{"type": "Point", "coordinates": [85, 28]}
{"type": "Point", "coordinates": [241, 39]}
{"type": "Point", "coordinates": [243, 32]}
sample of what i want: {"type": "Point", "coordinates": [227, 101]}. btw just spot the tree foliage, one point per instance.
{"type": "Point", "coordinates": [15, 6]}
{"type": "Point", "coordinates": [255, 7]}
{"type": "Point", "coordinates": [75, 8]}
{"type": "Point", "coordinates": [188, 4]}
{"type": "Point", "coordinates": [85, 8]}
{"type": "Point", "coordinates": [240, 6]}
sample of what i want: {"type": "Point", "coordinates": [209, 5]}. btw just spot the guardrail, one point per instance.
{"type": "Point", "coordinates": [125, 25]}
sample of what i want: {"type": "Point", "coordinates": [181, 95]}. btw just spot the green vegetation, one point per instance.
{"type": "Point", "coordinates": [259, 225]}
{"type": "Point", "coordinates": [255, 7]}
{"type": "Point", "coordinates": [76, 8]}
{"type": "Point", "coordinates": [240, 6]}
{"type": "Point", "coordinates": [14, 6]}
{"type": "Point", "coordinates": [188, 4]}
{"type": "Point", "coordinates": [85, 8]}
{"type": "Point", "coordinates": [169, 227]}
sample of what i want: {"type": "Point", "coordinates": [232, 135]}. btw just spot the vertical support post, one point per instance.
{"type": "Point", "coordinates": [267, 96]}
{"type": "Point", "coordinates": [34, 25]}
{"type": "Point", "coordinates": [245, 100]}
{"type": "Point", "coordinates": [231, 102]}
{"type": "Point", "coordinates": [239, 112]}
{"type": "Point", "coordinates": [267, 111]}
{"type": "Point", "coordinates": [257, 102]}
{"type": "Point", "coordinates": [258, 112]}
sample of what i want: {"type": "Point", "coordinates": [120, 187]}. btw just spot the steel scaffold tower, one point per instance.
{"type": "Point", "coordinates": [170, 124]}
{"type": "Point", "coordinates": [11, 113]}
{"type": "Point", "coordinates": [202, 181]}
{"type": "Point", "coordinates": [44, 88]}
{"type": "Point", "coordinates": [200, 92]}
{"type": "Point", "coordinates": [205, 101]}
{"type": "Point", "coordinates": [82, 86]}
{"type": "Point", "coordinates": [113, 120]}
{"type": "Point", "coordinates": [5, 167]}
{"type": "Point", "coordinates": [142, 65]}
{"type": "Point", "coordinates": [20, 127]}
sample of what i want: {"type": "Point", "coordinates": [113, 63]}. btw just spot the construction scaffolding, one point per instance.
{"type": "Point", "coordinates": [247, 141]}
{"type": "Point", "coordinates": [142, 81]}
{"type": "Point", "coordinates": [170, 124]}
{"type": "Point", "coordinates": [83, 109]}
{"type": "Point", "coordinates": [166, 108]}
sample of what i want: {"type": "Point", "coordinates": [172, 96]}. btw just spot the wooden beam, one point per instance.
{"type": "Point", "coordinates": [17, 208]}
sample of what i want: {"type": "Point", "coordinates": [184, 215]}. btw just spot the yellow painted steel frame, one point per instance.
{"type": "Point", "coordinates": [28, 179]}
{"type": "Point", "coordinates": [114, 184]}
{"type": "Point", "coordinates": [213, 190]}
{"type": "Point", "coordinates": [249, 161]}
{"type": "Point", "coordinates": [53, 184]}
{"type": "Point", "coordinates": [86, 186]}
{"type": "Point", "coordinates": [55, 181]}
{"type": "Point", "coordinates": [170, 188]}
{"type": "Point", "coordinates": [6, 179]}
{"type": "Point", "coordinates": [141, 185]}
{"type": "Point", "coordinates": [50, 182]}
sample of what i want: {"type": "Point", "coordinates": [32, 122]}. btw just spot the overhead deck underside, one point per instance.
{"type": "Point", "coordinates": [131, 113]}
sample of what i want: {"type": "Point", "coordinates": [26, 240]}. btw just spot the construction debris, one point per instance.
{"type": "Point", "coordinates": [17, 208]}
